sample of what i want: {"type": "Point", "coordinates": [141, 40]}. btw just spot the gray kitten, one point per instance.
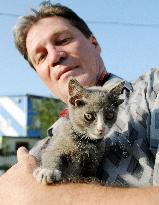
{"type": "Point", "coordinates": [76, 152]}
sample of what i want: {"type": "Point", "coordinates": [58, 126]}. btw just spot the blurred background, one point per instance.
{"type": "Point", "coordinates": [128, 33]}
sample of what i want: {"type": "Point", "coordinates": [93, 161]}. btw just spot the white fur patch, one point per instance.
{"type": "Point", "coordinates": [47, 176]}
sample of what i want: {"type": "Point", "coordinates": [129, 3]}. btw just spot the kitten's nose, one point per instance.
{"type": "Point", "coordinates": [101, 130]}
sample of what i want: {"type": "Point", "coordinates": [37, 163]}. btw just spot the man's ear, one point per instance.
{"type": "Point", "coordinates": [95, 42]}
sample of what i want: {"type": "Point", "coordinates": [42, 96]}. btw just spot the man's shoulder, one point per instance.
{"type": "Point", "coordinates": [54, 129]}
{"type": "Point", "coordinates": [115, 80]}
{"type": "Point", "coordinates": [150, 76]}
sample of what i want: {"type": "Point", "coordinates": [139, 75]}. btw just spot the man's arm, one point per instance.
{"type": "Point", "coordinates": [17, 186]}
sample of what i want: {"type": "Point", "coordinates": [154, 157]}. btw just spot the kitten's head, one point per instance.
{"type": "Point", "coordinates": [93, 111]}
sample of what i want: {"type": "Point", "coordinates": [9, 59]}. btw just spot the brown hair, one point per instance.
{"type": "Point", "coordinates": [45, 10]}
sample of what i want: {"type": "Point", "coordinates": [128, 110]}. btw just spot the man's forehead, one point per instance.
{"type": "Point", "coordinates": [52, 24]}
{"type": "Point", "coordinates": [36, 37]}
{"type": "Point", "coordinates": [45, 29]}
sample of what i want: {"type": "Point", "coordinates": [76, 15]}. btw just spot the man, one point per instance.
{"type": "Point", "coordinates": [59, 45]}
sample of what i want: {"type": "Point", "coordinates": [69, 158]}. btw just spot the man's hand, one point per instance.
{"type": "Point", "coordinates": [26, 163]}
{"type": "Point", "coordinates": [17, 183]}
{"type": "Point", "coordinates": [25, 160]}
{"type": "Point", "coordinates": [19, 187]}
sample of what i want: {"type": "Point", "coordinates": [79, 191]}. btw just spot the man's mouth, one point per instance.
{"type": "Point", "coordinates": [63, 71]}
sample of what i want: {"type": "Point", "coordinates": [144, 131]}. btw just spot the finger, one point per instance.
{"type": "Point", "coordinates": [22, 154]}
{"type": "Point", "coordinates": [26, 160]}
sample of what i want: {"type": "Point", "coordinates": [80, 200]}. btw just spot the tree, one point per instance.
{"type": "Point", "coordinates": [45, 112]}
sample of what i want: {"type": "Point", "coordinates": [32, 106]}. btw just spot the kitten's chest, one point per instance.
{"type": "Point", "coordinates": [87, 153]}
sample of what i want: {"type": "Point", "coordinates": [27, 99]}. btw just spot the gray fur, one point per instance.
{"type": "Point", "coordinates": [77, 151]}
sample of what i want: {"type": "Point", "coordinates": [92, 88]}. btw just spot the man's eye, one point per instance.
{"type": "Point", "coordinates": [41, 58]}
{"type": "Point", "coordinates": [63, 41]}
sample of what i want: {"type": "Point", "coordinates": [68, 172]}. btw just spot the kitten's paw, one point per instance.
{"type": "Point", "coordinates": [47, 176]}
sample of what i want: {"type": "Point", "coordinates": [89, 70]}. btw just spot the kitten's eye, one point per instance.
{"type": "Point", "coordinates": [89, 116]}
{"type": "Point", "coordinates": [109, 116]}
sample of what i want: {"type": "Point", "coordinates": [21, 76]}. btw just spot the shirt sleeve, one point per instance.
{"type": "Point", "coordinates": [153, 101]}
{"type": "Point", "coordinates": [42, 144]}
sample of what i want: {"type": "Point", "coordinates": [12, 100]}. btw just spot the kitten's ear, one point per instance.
{"type": "Point", "coordinates": [76, 93]}
{"type": "Point", "coordinates": [115, 94]}
{"type": "Point", "coordinates": [74, 87]}
{"type": "Point", "coordinates": [79, 103]}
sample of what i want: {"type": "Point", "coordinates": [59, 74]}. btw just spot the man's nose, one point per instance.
{"type": "Point", "coordinates": [55, 57]}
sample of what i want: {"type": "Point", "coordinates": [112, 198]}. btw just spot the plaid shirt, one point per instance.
{"type": "Point", "coordinates": [131, 151]}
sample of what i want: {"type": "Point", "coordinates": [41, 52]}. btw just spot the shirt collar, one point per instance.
{"type": "Point", "coordinates": [103, 78]}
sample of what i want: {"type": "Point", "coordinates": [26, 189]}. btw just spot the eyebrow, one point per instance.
{"type": "Point", "coordinates": [54, 35]}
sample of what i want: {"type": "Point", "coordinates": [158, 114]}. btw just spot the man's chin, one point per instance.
{"type": "Point", "coordinates": [65, 77]}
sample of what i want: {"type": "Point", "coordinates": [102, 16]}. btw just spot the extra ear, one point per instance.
{"type": "Point", "coordinates": [115, 94]}
{"type": "Point", "coordinates": [76, 93]}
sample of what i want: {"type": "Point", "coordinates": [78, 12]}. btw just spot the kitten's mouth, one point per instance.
{"type": "Point", "coordinates": [97, 136]}
{"type": "Point", "coordinates": [92, 138]}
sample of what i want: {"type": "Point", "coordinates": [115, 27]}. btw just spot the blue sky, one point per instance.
{"type": "Point", "coordinates": [127, 50]}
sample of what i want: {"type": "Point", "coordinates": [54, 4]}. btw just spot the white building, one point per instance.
{"type": "Point", "coordinates": [19, 126]}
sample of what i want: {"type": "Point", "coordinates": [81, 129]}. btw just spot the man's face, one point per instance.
{"type": "Point", "coordinates": [59, 51]}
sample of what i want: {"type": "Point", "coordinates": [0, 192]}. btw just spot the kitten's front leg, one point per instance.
{"type": "Point", "coordinates": [49, 171]}
{"type": "Point", "coordinates": [47, 176]}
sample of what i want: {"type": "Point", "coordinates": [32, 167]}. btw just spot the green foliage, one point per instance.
{"type": "Point", "coordinates": [46, 112]}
